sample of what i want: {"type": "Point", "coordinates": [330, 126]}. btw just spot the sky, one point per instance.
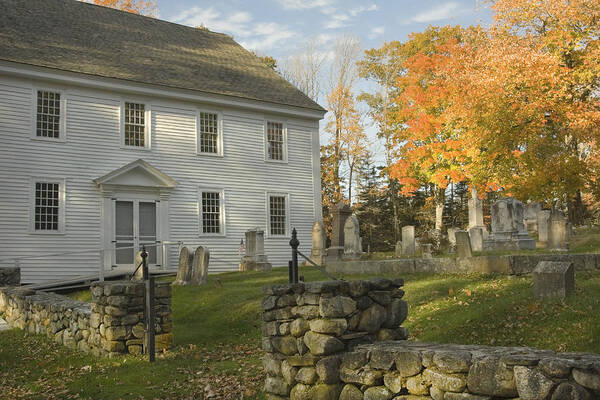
{"type": "Point", "coordinates": [279, 28]}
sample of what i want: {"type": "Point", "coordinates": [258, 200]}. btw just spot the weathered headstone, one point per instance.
{"type": "Point", "coordinates": [426, 250]}
{"type": "Point", "coordinates": [508, 230]}
{"type": "Point", "coordinates": [318, 242]}
{"type": "Point", "coordinates": [530, 216]}
{"type": "Point", "coordinates": [352, 242]}
{"type": "Point", "coordinates": [398, 249]}
{"type": "Point", "coordinates": [184, 269]}
{"type": "Point", "coordinates": [255, 258]}
{"type": "Point", "coordinates": [476, 213]}
{"type": "Point", "coordinates": [340, 213]}
{"type": "Point", "coordinates": [199, 266]}
{"type": "Point", "coordinates": [452, 235]}
{"type": "Point", "coordinates": [557, 231]}
{"type": "Point", "coordinates": [553, 279]}
{"type": "Point", "coordinates": [476, 237]}
{"type": "Point", "coordinates": [408, 240]}
{"type": "Point", "coordinates": [463, 244]}
{"type": "Point", "coordinates": [543, 218]}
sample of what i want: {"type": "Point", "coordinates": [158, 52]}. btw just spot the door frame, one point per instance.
{"type": "Point", "coordinates": [136, 200]}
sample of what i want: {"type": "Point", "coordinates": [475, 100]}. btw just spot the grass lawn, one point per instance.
{"type": "Point", "coordinates": [217, 335]}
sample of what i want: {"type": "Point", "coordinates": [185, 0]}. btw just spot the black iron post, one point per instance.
{"type": "Point", "coordinates": [294, 242]}
{"type": "Point", "coordinates": [148, 307]}
{"type": "Point", "coordinates": [291, 271]}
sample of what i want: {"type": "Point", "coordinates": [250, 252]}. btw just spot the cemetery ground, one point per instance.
{"type": "Point", "coordinates": [217, 334]}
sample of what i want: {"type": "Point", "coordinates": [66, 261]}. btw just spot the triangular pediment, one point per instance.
{"type": "Point", "coordinates": [137, 174]}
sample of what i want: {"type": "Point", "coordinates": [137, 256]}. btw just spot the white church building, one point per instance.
{"type": "Point", "coordinates": [119, 130]}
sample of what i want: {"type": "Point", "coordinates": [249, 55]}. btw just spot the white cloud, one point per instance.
{"type": "Point", "coordinates": [305, 4]}
{"type": "Point", "coordinates": [377, 31]}
{"type": "Point", "coordinates": [341, 20]}
{"type": "Point", "coordinates": [444, 11]}
{"type": "Point", "coordinates": [252, 35]}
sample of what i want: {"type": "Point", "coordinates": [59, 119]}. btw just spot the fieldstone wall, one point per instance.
{"type": "Point", "coordinates": [309, 326]}
{"type": "Point", "coordinates": [10, 276]}
{"type": "Point", "coordinates": [111, 324]}
{"type": "Point", "coordinates": [413, 370]}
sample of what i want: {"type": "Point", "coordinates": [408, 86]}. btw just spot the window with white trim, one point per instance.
{"type": "Point", "coordinates": [47, 209]}
{"type": "Point", "coordinates": [276, 148]}
{"type": "Point", "coordinates": [278, 211]}
{"type": "Point", "coordinates": [209, 141]}
{"type": "Point", "coordinates": [135, 125]}
{"type": "Point", "coordinates": [212, 212]}
{"type": "Point", "coordinates": [48, 114]}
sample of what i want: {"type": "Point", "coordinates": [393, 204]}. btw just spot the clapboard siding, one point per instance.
{"type": "Point", "coordinates": [93, 149]}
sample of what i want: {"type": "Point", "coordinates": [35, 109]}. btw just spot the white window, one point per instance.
{"type": "Point", "coordinates": [136, 125]}
{"type": "Point", "coordinates": [209, 133]}
{"type": "Point", "coordinates": [49, 111]}
{"type": "Point", "coordinates": [275, 141]}
{"type": "Point", "coordinates": [278, 211]}
{"type": "Point", "coordinates": [47, 206]}
{"type": "Point", "coordinates": [212, 212]}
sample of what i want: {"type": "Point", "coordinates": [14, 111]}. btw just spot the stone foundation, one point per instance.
{"type": "Point", "coordinates": [10, 276]}
{"type": "Point", "coordinates": [309, 326]}
{"type": "Point", "coordinates": [111, 324]}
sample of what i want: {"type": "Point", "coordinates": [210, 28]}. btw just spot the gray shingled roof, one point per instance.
{"type": "Point", "coordinates": [79, 37]}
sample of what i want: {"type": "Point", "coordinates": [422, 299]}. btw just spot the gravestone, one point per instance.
{"type": "Point", "coordinates": [452, 239]}
{"type": "Point", "coordinates": [255, 258]}
{"type": "Point", "coordinates": [543, 218]}
{"type": "Point", "coordinates": [318, 242]}
{"type": "Point", "coordinates": [557, 231]}
{"type": "Point", "coordinates": [530, 216]}
{"type": "Point", "coordinates": [340, 213]}
{"type": "Point", "coordinates": [553, 279]}
{"type": "Point", "coordinates": [476, 237]}
{"type": "Point", "coordinates": [199, 266]}
{"type": "Point", "coordinates": [426, 250]}
{"type": "Point", "coordinates": [463, 244]}
{"type": "Point", "coordinates": [408, 240]}
{"type": "Point", "coordinates": [398, 249]}
{"type": "Point", "coordinates": [508, 230]}
{"type": "Point", "coordinates": [184, 269]}
{"type": "Point", "coordinates": [476, 213]}
{"type": "Point", "coordinates": [352, 242]}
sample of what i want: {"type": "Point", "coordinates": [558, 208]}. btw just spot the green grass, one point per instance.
{"type": "Point", "coordinates": [217, 335]}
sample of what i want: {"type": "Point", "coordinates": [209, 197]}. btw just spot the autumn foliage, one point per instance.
{"type": "Point", "coordinates": [143, 7]}
{"type": "Point", "coordinates": [514, 106]}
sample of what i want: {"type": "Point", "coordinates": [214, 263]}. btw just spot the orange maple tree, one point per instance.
{"type": "Point", "coordinates": [143, 7]}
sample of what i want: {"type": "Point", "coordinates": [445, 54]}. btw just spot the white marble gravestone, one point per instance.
{"type": "Point", "coordinates": [408, 240]}
{"type": "Point", "coordinates": [184, 269]}
{"type": "Point", "coordinates": [463, 245]}
{"type": "Point", "coordinates": [530, 216]}
{"type": "Point", "coordinates": [476, 237]}
{"type": "Point", "coordinates": [476, 213]}
{"type": "Point", "coordinates": [508, 230]}
{"type": "Point", "coordinates": [255, 258]}
{"type": "Point", "coordinates": [543, 218]}
{"type": "Point", "coordinates": [557, 231]}
{"type": "Point", "coordinates": [318, 242]}
{"type": "Point", "coordinates": [352, 242]}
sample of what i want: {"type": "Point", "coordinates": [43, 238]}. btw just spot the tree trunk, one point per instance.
{"type": "Point", "coordinates": [439, 208]}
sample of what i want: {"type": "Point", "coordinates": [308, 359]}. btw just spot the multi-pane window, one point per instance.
{"type": "Point", "coordinates": [47, 206]}
{"type": "Point", "coordinates": [209, 133]}
{"type": "Point", "coordinates": [277, 215]}
{"type": "Point", "coordinates": [135, 125]}
{"type": "Point", "coordinates": [48, 114]}
{"type": "Point", "coordinates": [211, 212]}
{"type": "Point", "coordinates": [275, 138]}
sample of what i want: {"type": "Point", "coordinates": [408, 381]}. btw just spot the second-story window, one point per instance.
{"type": "Point", "coordinates": [275, 141]}
{"type": "Point", "coordinates": [135, 125]}
{"type": "Point", "coordinates": [48, 115]}
{"type": "Point", "coordinates": [208, 133]}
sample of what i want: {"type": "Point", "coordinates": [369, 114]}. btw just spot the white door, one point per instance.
{"type": "Point", "coordinates": [135, 225]}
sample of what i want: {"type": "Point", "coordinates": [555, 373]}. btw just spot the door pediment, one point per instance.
{"type": "Point", "coordinates": [137, 175]}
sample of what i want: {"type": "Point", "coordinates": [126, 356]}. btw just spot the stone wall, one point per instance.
{"type": "Point", "coordinates": [308, 327]}
{"type": "Point", "coordinates": [10, 276]}
{"type": "Point", "coordinates": [111, 324]}
{"type": "Point", "coordinates": [508, 264]}
{"type": "Point", "coordinates": [343, 341]}
{"type": "Point", "coordinates": [414, 370]}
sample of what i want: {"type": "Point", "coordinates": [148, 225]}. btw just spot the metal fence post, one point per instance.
{"type": "Point", "coordinates": [294, 242]}
{"type": "Point", "coordinates": [148, 307]}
